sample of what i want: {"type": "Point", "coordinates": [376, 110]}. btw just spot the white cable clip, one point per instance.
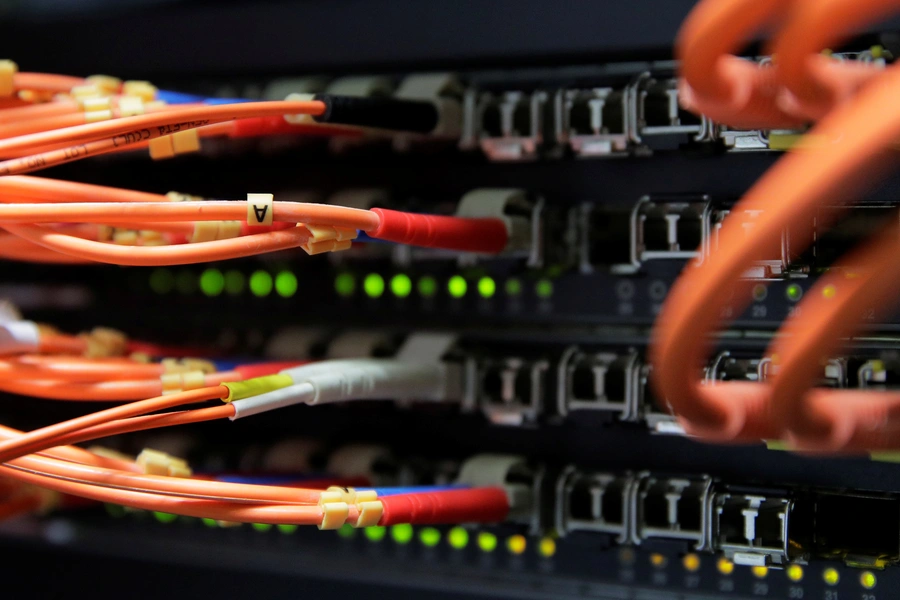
{"type": "Point", "coordinates": [260, 209]}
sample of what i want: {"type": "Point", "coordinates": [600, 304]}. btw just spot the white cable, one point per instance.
{"type": "Point", "coordinates": [17, 337]}
{"type": "Point", "coordinates": [360, 379]}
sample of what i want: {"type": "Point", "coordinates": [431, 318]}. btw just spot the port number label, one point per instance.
{"type": "Point", "coordinates": [868, 597]}
{"type": "Point", "coordinates": [692, 581]}
{"type": "Point", "coordinates": [760, 588]}
{"type": "Point", "coordinates": [758, 311]}
{"type": "Point", "coordinates": [795, 591]}
{"type": "Point", "coordinates": [726, 585]}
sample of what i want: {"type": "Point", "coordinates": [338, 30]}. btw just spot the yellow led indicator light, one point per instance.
{"type": "Point", "coordinates": [691, 563]}
{"type": "Point", "coordinates": [759, 571]}
{"type": "Point", "coordinates": [344, 285]}
{"type": "Point", "coordinates": [347, 531]}
{"type": "Point", "coordinates": [658, 560]}
{"type": "Point", "coordinates": [487, 541]}
{"type": "Point", "coordinates": [260, 284]}
{"type": "Point", "coordinates": [373, 285]}
{"type": "Point", "coordinates": [487, 287]}
{"type": "Point", "coordinates": [725, 566]}
{"type": "Point", "coordinates": [831, 576]}
{"type": "Point", "coordinates": [458, 538]}
{"type": "Point", "coordinates": [430, 537]}
{"type": "Point", "coordinates": [261, 526]}
{"type": "Point", "coordinates": [186, 282]}
{"type": "Point", "coordinates": [867, 580]}
{"type": "Point", "coordinates": [212, 282]}
{"type": "Point", "coordinates": [547, 547]}
{"type": "Point", "coordinates": [516, 544]}
{"type": "Point", "coordinates": [457, 286]}
{"type": "Point", "coordinates": [162, 281]}
{"type": "Point", "coordinates": [286, 528]}
{"type": "Point", "coordinates": [544, 289]}
{"type": "Point", "coordinates": [234, 282]}
{"type": "Point", "coordinates": [401, 285]}
{"type": "Point", "coordinates": [794, 292]}
{"type": "Point", "coordinates": [626, 556]}
{"type": "Point", "coordinates": [428, 286]}
{"type": "Point", "coordinates": [164, 517]}
{"type": "Point", "coordinates": [375, 534]}
{"type": "Point", "coordinates": [286, 284]}
{"type": "Point", "coordinates": [794, 573]}
{"type": "Point", "coordinates": [402, 533]}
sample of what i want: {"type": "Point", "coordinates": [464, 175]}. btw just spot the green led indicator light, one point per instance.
{"type": "Point", "coordinates": [513, 287]}
{"type": "Point", "coordinates": [375, 534]}
{"type": "Point", "coordinates": [794, 292]}
{"type": "Point", "coordinates": [401, 285]}
{"type": "Point", "coordinates": [428, 286]}
{"type": "Point", "coordinates": [458, 538]}
{"type": "Point", "coordinates": [286, 528]}
{"type": "Point", "coordinates": [186, 282]}
{"type": "Point", "coordinates": [116, 511]}
{"type": "Point", "coordinates": [544, 288]}
{"type": "Point", "coordinates": [209, 522]}
{"type": "Point", "coordinates": [347, 531]}
{"type": "Point", "coordinates": [261, 526]}
{"type": "Point", "coordinates": [162, 281]}
{"type": "Point", "coordinates": [430, 537]}
{"type": "Point", "coordinates": [373, 285]}
{"type": "Point", "coordinates": [286, 284]}
{"type": "Point", "coordinates": [487, 287]}
{"type": "Point", "coordinates": [164, 517]}
{"type": "Point", "coordinates": [487, 541]}
{"type": "Point", "coordinates": [457, 286]}
{"type": "Point", "coordinates": [212, 282]}
{"type": "Point", "coordinates": [345, 285]}
{"type": "Point", "coordinates": [261, 284]}
{"type": "Point", "coordinates": [402, 533]}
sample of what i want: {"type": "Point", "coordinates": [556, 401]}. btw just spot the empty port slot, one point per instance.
{"type": "Point", "coordinates": [609, 241]}
{"type": "Point", "coordinates": [689, 230]}
{"type": "Point", "coordinates": [656, 230]}
{"type": "Point", "coordinates": [854, 525]}
{"type": "Point", "coordinates": [598, 500]}
{"type": "Point", "coordinates": [584, 381]}
{"type": "Point", "coordinates": [656, 508]}
{"type": "Point", "coordinates": [690, 510]}
{"type": "Point", "coordinates": [731, 523]}
{"type": "Point", "coordinates": [657, 108]}
{"type": "Point", "coordinates": [492, 121]}
{"type": "Point", "coordinates": [613, 115]}
{"type": "Point", "coordinates": [849, 230]}
{"type": "Point", "coordinates": [601, 377]}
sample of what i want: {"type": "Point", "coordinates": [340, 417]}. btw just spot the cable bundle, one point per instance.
{"type": "Point", "coordinates": [847, 149]}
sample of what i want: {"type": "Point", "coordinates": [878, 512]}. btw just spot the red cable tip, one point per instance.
{"type": "Point", "coordinates": [477, 505]}
{"type": "Point", "coordinates": [487, 236]}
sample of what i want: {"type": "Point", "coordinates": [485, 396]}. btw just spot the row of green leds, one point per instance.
{"type": "Point", "coordinates": [457, 538]}
{"type": "Point", "coordinates": [213, 282]}
{"type": "Point", "coordinates": [457, 286]}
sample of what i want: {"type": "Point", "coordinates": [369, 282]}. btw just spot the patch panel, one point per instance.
{"type": "Point", "coordinates": [601, 382]}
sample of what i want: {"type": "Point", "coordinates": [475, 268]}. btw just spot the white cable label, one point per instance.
{"type": "Point", "coordinates": [260, 209]}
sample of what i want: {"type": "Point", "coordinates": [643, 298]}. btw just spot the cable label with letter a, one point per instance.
{"type": "Point", "coordinates": [260, 209]}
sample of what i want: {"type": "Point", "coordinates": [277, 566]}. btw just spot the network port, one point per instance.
{"type": "Point", "coordinates": [508, 126]}
{"type": "Point", "coordinates": [604, 382]}
{"type": "Point", "coordinates": [596, 502]}
{"type": "Point", "coordinates": [658, 115]}
{"type": "Point", "coordinates": [673, 509]}
{"type": "Point", "coordinates": [510, 390]}
{"type": "Point", "coordinates": [666, 229]}
{"type": "Point", "coordinates": [752, 529]}
{"type": "Point", "coordinates": [592, 122]}
{"type": "Point", "coordinates": [860, 530]}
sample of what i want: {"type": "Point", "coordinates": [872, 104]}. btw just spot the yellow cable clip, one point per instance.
{"type": "Point", "coordinates": [154, 462]}
{"type": "Point", "coordinates": [238, 390]}
{"type": "Point", "coordinates": [8, 70]}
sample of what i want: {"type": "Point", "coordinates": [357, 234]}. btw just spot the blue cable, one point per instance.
{"type": "Point", "coordinates": [415, 489]}
{"type": "Point", "coordinates": [171, 97]}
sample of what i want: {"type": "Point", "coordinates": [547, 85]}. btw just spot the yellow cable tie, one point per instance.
{"type": "Point", "coordinates": [8, 70]}
{"type": "Point", "coordinates": [144, 90]}
{"type": "Point", "coordinates": [313, 248]}
{"type": "Point", "coordinates": [238, 390]}
{"type": "Point", "coordinates": [186, 141]}
{"type": "Point", "coordinates": [204, 231]}
{"type": "Point", "coordinates": [161, 148]}
{"type": "Point", "coordinates": [105, 83]}
{"type": "Point", "coordinates": [95, 103]}
{"type": "Point", "coordinates": [82, 92]}
{"type": "Point", "coordinates": [227, 230]}
{"type": "Point", "coordinates": [370, 513]}
{"type": "Point", "coordinates": [154, 462]}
